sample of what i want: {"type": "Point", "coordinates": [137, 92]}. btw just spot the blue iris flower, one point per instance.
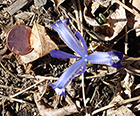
{"type": "Point", "coordinates": [112, 58]}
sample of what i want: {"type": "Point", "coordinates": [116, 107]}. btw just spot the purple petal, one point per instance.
{"type": "Point", "coordinates": [83, 69]}
{"type": "Point", "coordinates": [68, 37]}
{"type": "Point", "coordinates": [66, 21]}
{"type": "Point", "coordinates": [60, 85]}
{"type": "Point", "coordinates": [82, 40]}
{"type": "Point", "coordinates": [60, 54]}
{"type": "Point", "coordinates": [119, 55]}
{"type": "Point", "coordinates": [112, 58]}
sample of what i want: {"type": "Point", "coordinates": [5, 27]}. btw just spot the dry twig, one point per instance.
{"type": "Point", "coordinates": [116, 104]}
{"type": "Point", "coordinates": [15, 99]}
{"type": "Point", "coordinates": [27, 88]}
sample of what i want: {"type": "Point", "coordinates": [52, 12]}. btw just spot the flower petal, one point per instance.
{"type": "Point", "coordinates": [112, 58]}
{"type": "Point", "coordinates": [60, 54]}
{"type": "Point", "coordinates": [83, 69]}
{"type": "Point", "coordinates": [60, 85]}
{"type": "Point", "coordinates": [116, 58]}
{"type": "Point", "coordinates": [82, 40]}
{"type": "Point", "coordinates": [66, 21]}
{"type": "Point", "coordinates": [68, 37]}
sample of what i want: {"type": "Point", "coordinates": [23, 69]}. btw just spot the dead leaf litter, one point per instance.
{"type": "Point", "coordinates": [27, 70]}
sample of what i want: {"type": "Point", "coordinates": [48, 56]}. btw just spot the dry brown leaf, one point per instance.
{"type": "Point", "coordinates": [32, 56]}
{"type": "Point", "coordinates": [87, 12]}
{"type": "Point", "coordinates": [135, 90]}
{"type": "Point", "coordinates": [114, 24]}
{"type": "Point", "coordinates": [104, 3]}
{"type": "Point", "coordinates": [127, 84]}
{"type": "Point", "coordinates": [134, 21]}
{"type": "Point", "coordinates": [47, 111]}
{"type": "Point", "coordinates": [133, 70]}
{"type": "Point", "coordinates": [57, 2]}
{"type": "Point", "coordinates": [111, 70]}
{"type": "Point", "coordinates": [41, 43]}
{"type": "Point", "coordinates": [136, 106]}
{"type": "Point", "coordinates": [121, 111]}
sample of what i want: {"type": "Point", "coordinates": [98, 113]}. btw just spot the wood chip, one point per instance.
{"type": "Point", "coordinates": [39, 3]}
{"type": "Point", "coordinates": [24, 15]}
{"type": "Point", "coordinates": [16, 6]}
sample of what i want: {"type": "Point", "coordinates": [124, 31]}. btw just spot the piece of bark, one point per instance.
{"type": "Point", "coordinates": [24, 15]}
{"type": "Point", "coordinates": [17, 5]}
{"type": "Point", "coordinates": [39, 3]}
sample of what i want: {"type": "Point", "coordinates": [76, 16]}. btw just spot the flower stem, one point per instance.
{"type": "Point", "coordinates": [83, 92]}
